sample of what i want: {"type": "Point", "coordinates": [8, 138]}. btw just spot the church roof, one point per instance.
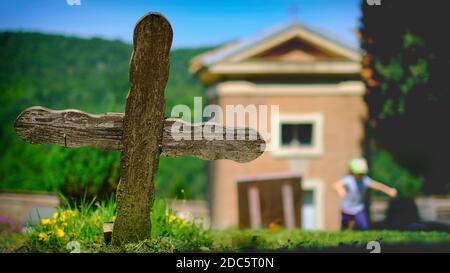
{"type": "Point", "coordinates": [230, 50]}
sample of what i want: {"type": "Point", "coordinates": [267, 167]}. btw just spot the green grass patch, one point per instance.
{"type": "Point", "coordinates": [83, 224]}
{"type": "Point", "coordinates": [261, 240]}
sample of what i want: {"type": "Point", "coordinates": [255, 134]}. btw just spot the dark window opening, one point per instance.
{"type": "Point", "coordinates": [297, 135]}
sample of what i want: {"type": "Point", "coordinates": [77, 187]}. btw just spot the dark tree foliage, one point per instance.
{"type": "Point", "coordinates": [406, 68]}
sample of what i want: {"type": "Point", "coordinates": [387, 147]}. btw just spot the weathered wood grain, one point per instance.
{"type": "Point", "coordinates": [70, 128]}
{"type": "Point", "coordinates": [142, 128]}
{"type": "Point", "coordinates": [74, 128]}
{"type": "Point", "coordinates": [245, 144]}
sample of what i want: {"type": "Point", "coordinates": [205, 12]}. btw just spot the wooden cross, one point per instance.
{"type": "Point", "coordinates": [141, 134]}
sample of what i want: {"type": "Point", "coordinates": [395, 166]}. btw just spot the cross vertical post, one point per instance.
{"type": "Point", "coordinates": [142, 128]}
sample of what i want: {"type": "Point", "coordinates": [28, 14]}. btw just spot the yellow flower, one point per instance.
{"type": "Point", "coordinates": [42, 236]}
{"type": "Point", "coordinates": [63, 217]}
{"type": "Point", "coordinates": [67, 214]}
{"type": "Point", "coordinates": [45, 221]}
{"type": "Point", "coordinates": [172, 218]}
{"type": "Point", "coordinates": [59, 233]}
{"type": "Point", "coordinates": [64, 224]}
{"type": "Point", "coordinates": [55, 215]}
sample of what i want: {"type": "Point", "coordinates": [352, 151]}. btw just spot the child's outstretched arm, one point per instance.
{"type": "Point", "coordinates": [340, 188]}
{"type": "Point", "coordinates": [383, 188]}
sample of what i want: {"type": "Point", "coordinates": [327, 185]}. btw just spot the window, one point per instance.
{"type": "Point", "coordinates": [297, 135]}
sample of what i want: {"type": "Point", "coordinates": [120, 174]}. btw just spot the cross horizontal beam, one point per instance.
{"type": "Point", "coordinates": [74, 128]}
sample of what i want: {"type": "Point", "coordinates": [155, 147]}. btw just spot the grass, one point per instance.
{"type": "Point", "coordinates": [83, 224]}
{"type": "Point", "coordinates": [296, 240]}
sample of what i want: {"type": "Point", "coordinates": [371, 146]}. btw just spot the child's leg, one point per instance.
{"type": "Point", "coordinates": [361, 220]}
{"type": "Point", "coordinates": [351, 225]}
{"type": "Point", "coordinates": [348, 222]}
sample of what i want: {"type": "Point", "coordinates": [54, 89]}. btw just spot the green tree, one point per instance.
{"type": "Point", "coordinates": [405, 68]}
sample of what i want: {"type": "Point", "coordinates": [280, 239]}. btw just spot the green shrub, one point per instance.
{"type": "Point", "coordinates": [385, 169]}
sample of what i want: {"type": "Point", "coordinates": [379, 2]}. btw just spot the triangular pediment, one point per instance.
{"type": "Point", "coordinates": [296, 50]}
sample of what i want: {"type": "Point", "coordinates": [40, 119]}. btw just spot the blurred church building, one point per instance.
{"type": "Point", "coordinates": [314, 77]}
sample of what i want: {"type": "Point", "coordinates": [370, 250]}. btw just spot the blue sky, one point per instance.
{"type": "Point", "coordinates": [195, 22]}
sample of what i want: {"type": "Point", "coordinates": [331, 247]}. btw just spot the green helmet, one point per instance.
{"type": "Point", "coordinates": [358, 166]}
